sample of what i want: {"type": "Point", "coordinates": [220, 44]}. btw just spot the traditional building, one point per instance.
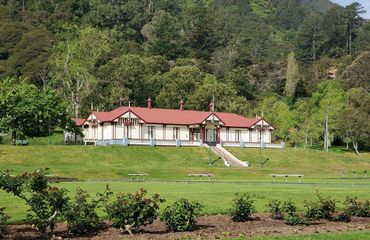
{"type": "Point", "coordinates": [174, 127]}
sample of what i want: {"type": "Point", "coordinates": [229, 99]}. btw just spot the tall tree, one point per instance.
{"type": "Point", "coordinates": [354, 123]}
{"type": "Point", "coordinates": [74, 62]}
{"type": "Point", "coordinates": [292, 76]}
{"type": "Point", "coordinates": [329, 100]}
{"type": "Point", "coordinates": [354, 21]}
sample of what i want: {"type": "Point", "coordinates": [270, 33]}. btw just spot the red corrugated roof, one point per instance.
{"type": "Point", "coordinates": [175, 116]}
{"type": "Point", "coordinates": [78, 121]}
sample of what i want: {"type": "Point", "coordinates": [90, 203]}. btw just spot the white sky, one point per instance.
{"type": "Point", "coordinates": [364, 3]}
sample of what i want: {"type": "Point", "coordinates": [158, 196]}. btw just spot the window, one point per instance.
{"type": "Point", "coordinates": [175, 133]}
{"type": "Point", "coordinates": [237, 135]}
{"type": "Point", "coordinates": [151, 130]}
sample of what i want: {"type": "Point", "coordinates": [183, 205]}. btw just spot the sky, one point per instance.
{"type": "Point", "coordinates": [364, 3]}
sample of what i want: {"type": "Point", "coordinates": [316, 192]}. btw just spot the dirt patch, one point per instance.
{"type": "Point", "coordinates": [209, 227]}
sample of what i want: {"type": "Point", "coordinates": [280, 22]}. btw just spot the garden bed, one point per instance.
{"type": "Point", "coordinates": [208, 227]}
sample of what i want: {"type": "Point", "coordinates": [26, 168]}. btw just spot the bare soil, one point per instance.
{"type": "Point", "coordinates": [209, 227]}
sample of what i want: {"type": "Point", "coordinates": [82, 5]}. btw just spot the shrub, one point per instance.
{"type": "Point", "coordinates": [3, 219]}
{"type": "Point", "coordinates": [81, 215]}
{"type": "Point", "coordinates": [295, 220]}
{"type": "Point", "coordinates": [326, 207]}
{"type": "Point", "coordinates": [180, 216]}
{"type": "Point", "coordinates": [289, 207]}
{"type": "Point", "coordinates": [46, 203]}
{"type": "Point", "coordinates": [291, 215]}
{"type": "Point", "coordinates": [322, 208]}
{"type": "Point", "coordinates": [313, 210]}
{"type": "Point", "coordinates": [343, 216]}
{"type": "Point", "coordinates": [133, 210]}
{"type": "Point", "coordinates": [356, 208]}
{"type": "Point", "coordinates": [242, 208]}
{"type": "Point", "coordinates": [274, 208]}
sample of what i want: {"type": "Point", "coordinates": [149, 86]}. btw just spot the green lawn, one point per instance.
{"type": "Point", "coordinates": [169, 163]}
{"type": "Point", "coordinates": [216, 197]}
{"type": "Point", "coordinates": [100, 165]}
{"type": "Point", "coordinates": [319, 236]}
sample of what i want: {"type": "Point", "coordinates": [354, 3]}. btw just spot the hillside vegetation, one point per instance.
{"type": "Point", "coordinates": [302, 64]}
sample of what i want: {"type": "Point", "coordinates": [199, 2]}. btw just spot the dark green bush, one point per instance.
{"type": "Point", "coordinates": [289, 207]}
{"type": "Point", "coordinates": [326, 206]}
{"type": "Point", "coordinates": [291, 216]}
{"type": "Point", "coordinates": [242, 208]}
{"type": "Point", "coordinates": [321, 208]}
{"type": "Point", "coordinates": [81, 215]}
{"type": "Point", "coordinates": [3, 219]}
{"type": "Point", "coordinates": [313, 210]}
{"type": "Point", "coordinates": [343, 216]}
{"type": "Point", "coordinates": [356, 208]}
{"type": "Point", "coordinates": [181, 215]}
{"type": "Point", "coordinates": [133, 210]}
{"type": "Point", "coordinates": [295, 219]}
{"type": "Point", "coordinates": [275, 209]}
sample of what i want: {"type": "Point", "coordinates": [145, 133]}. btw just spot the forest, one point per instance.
{"type": "Point", "coordinates": [302, 64]}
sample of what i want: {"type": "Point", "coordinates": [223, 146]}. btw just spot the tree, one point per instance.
{"type": "Point", "coordinates": [74, 62]}
{"type": "Point", "coordinates": [29, 112]}
{"type": "Point", "coordinates": [309, 38]}
{"type": "Point", "coordinates": [354, 21]}
{"type": "Point", "coordinates": [292, 76]}
{"type": "Point", "coordinates": [130, 78]}
{"type": "Point", "coordinates": [335, 32]}
{"type": "Point", "coordinates": [162, 35]}
{"type": "Point", "coordinates": [225, 95]}
{"type": "Point", "coordinates": [354, 123]}
{"type": "Point", "coordinates": [278, 114]}
{"type": "Point", "coordinates": [179, 83]}
{"type": "Point", "coordinates": [357, 74]}
{"type": "Point", "coordinates": [329, 101]}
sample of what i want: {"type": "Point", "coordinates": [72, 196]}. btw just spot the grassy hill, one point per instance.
{"type": "Point", "coordinates": [167, 163]}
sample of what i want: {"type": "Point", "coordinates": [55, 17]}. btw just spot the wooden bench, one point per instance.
{"type": "Point", "coordinates": [286, 176]}
{"type": "Point", "coordinates": [138, 176]}
{"type": "Point", "coordinates": [201, 175]}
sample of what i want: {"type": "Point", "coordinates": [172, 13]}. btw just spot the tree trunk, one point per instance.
{"type": "Point", "coordinates": [326, 134]}
{"type": "Point", "coordinates": [355, 146]}
{"type": "Point", "coordinates": [14, 138]}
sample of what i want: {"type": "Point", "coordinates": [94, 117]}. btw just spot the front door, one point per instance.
{"type": "Point", "coordinates": [211, 135]}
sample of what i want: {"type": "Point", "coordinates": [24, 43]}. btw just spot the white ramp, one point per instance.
{"type": "Point", "coordinates": [229, 159]}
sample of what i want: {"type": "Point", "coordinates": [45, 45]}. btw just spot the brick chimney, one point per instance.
{"type": "Point", "coordinates": [182, 104]}
{"type": "Point", "coordinates": [212, 106]}
{"type": "Point", "coordinates": [149, 101]}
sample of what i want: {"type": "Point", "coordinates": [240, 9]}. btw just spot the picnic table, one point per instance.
{"type": "Point", "coordinates": [286, 176]}
{"type": "Point", "coordinates": [138, 176]}
{"type": "Point", "coordinates": [201, 175]}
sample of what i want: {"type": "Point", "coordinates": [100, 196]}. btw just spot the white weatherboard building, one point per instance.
{"type": "Point", "coordinates": [174, 127]}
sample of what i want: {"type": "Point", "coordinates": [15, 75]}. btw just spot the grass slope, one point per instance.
{"type": "Point", "coordinates": [169, 163]}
